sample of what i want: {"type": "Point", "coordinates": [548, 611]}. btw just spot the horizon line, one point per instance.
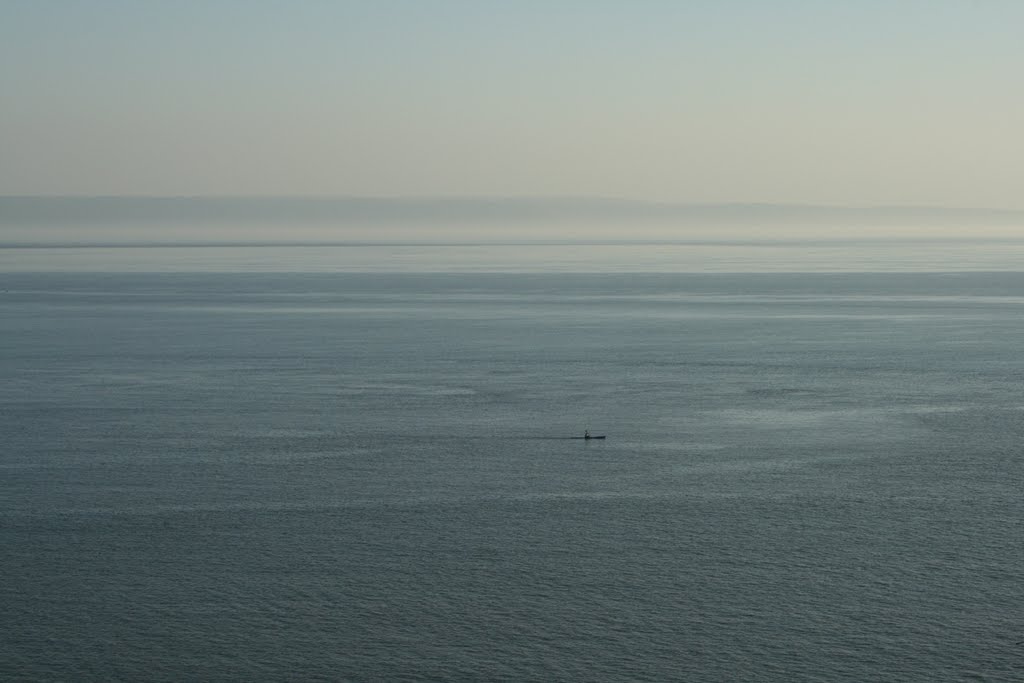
{"type": "Point", "coordinates": [513, 199]}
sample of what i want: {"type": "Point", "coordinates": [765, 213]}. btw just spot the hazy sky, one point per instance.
{"type": "Point", "coordinates": [853, 103]}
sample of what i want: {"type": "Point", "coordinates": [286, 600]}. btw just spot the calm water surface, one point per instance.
{"type": "Point", "coordinates": [352, 464]}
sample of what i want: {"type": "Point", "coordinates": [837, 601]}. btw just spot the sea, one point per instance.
{"type": "Point", "coordinates": [354, 461]}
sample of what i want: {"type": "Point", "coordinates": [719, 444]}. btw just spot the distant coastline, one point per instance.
{"type": "Point", "coordinates": [35, 220]}
{"type": "Point", "coordinates": [28, 208]}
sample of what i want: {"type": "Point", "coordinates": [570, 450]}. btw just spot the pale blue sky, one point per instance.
{"type": "Point", "coordinates": [849, 103]}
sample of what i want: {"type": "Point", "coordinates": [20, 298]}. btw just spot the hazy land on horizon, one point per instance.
{"type": "Point", "coordinates": [83, 220]}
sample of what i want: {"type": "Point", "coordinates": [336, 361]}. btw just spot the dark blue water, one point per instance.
{"type": "Point", "coordinates": [255, 475]}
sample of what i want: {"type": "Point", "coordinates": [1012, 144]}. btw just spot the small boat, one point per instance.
{"type": "Point", "coordinates": [587, 436]}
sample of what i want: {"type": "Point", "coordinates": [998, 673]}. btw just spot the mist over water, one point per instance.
{"type": "Point", "coordinates": [352, 462]}
{"type": "Point", "coordinates": [721, 256]}
{"type": "Point", "coordinates": [181, 220]}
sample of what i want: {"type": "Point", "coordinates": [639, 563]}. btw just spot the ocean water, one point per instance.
{"type": "Point", "coordinates": [352, 462]}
